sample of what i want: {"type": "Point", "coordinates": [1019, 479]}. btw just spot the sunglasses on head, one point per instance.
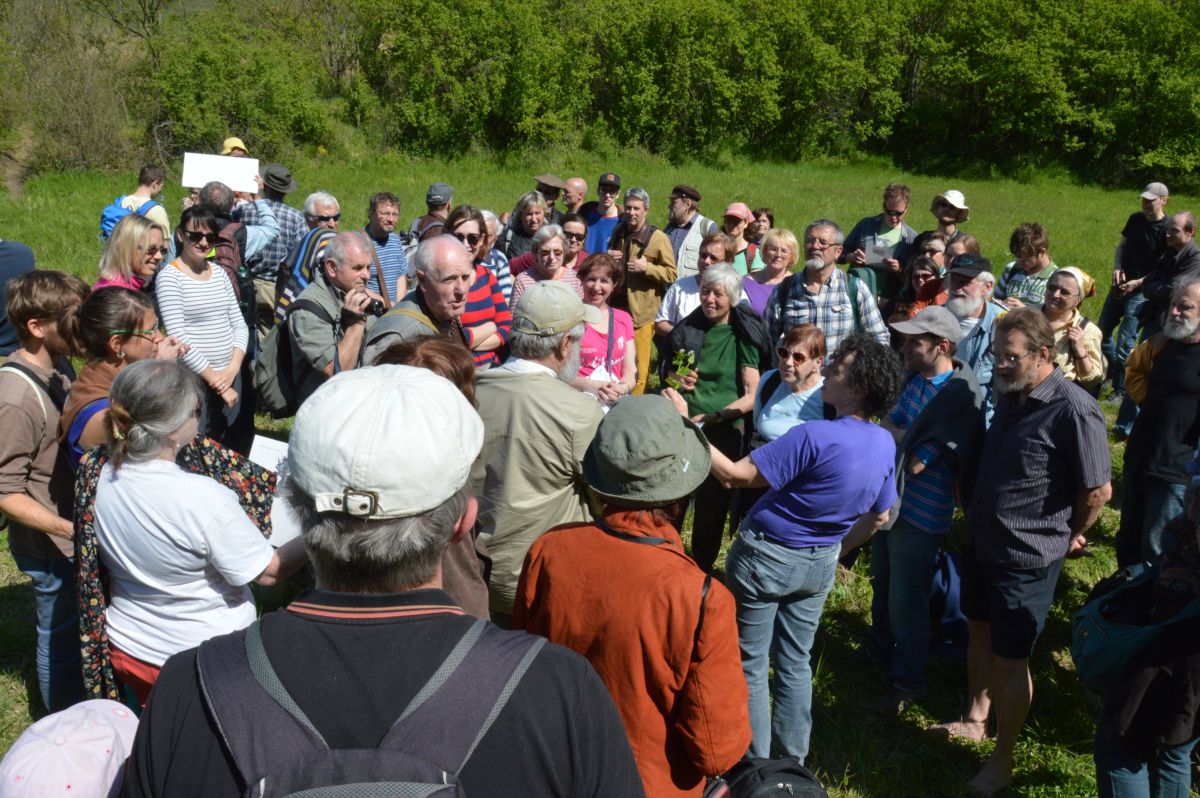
{"type": "Point", "coordinates": [196, 236]}
{"type": "Point", "coordinates": [470, 239]}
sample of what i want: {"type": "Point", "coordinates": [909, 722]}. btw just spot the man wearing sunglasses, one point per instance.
{"type": "Point", "coordinates": [322, 214]}
{"type": "Point", "coordinates": [878, 246]}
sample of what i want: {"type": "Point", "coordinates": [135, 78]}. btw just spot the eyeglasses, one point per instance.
{"type": "Point", "coordinates": [470, 239]}
{"type": "Point", "coordinates": [332, 218]}
{"type": "Point", "coordinates": [196, 236]}
{"type": "Point", "coordinates": [575, 236]}
{"type": "Point", "coordinates": [160, 250]}
{"type": "Point", "coordinates": [1061, 290]}
{"type": "Point", "coordinates": [785, 353]}
{"type": "Point", "coordinates": [151, 333]}
{"type": "Point", "coordinates": [607, 190]}
{"type": "Point", "coordinates": [1010, 360]}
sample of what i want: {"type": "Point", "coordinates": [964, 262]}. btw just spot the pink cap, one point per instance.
{"type": "Point", "coordinates": [740, 210]}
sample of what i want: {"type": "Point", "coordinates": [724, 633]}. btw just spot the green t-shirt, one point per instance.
{"type": "Point", "coordinates": [718, 363]}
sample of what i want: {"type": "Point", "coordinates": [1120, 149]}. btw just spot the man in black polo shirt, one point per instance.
{"type": "Point", "coordinates": [1044, 475]}
{"type": "Point", "coordinates": [353, 653]}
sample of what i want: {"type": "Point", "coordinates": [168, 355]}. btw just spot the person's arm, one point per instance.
{"type": "Point", "coordinates": [663, 327]}
{"type": "Point", "coordinates": [262, 234]}
{"type": "Point", "coordinates": [27, 512]}
{"type": "Point", "coordinates": [1088, 503]}
{"type": "Point", "coordinates": [742, 474]}
{"type": "Point", "coordinates": [241, 334]}
{"type": "Point", "coordinates": [287, 560]}
{"type": "Point", "coordinates": [870, 319]}
{"type": "Point", "coordinates": [1083, 347]}
{"type": "Point", "coordinates": [348, 348]}
{"type": "Point", "coordinates": [659, 259]}
{"type": "Point", "coordinates": [743, 404]}
{"type": "Point", "coordinates": [889, 423]}
{"type": "Point", "coordinates": [1118, 273]}
{"type": "Point", "coordinates": [864, 528]}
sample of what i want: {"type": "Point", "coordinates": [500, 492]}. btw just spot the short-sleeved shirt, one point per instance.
{"type": "Point", "coordinates": [823, 475]}
{"type": "Point", "coordinates": [180, 553]}
{"type": "Point", "coordinates": [1037, 457]}
{"type": "Point", "coordinates": [392, 261]}
{"type": "Point", "coordinates": [758, 294]}
{"type": "Point", "coordinates": [593, 352]}
{"type": "Point", "coordinates": [681, 299]}
{"type": "Point", "coordinates": [928, 496]}
{"type": "Point", "coordinates": [718, 363]}
{"type": "Point", "coordinates": [1029, 288]}
{"type": "Point", "coordinates": [1144, 242]}
{"type": "Point", "coordinates": [785, 408]}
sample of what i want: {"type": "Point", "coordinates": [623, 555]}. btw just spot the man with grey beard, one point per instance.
{"type": "Point", "coordinates": [1163, 377]}
{"type": "Point", "coordinates": [529, 476]}
{"type": "Point", "coordinates": [968, 283]}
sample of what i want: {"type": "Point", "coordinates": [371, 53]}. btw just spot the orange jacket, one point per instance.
{"type": "Point", "coordinates": [632, 609]}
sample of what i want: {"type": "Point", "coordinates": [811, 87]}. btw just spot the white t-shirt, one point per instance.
{"type": "Point", "coordinates": [681, 299]}
{"type": "Point", "coordinates": [180, 553]}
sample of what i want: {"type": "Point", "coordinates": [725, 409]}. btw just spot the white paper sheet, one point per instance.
{"type": "Point", "coordinates": [237, 173]}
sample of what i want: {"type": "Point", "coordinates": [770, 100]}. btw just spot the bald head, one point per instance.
{"type": "Point", "coordinates": [445, 271]}
{"type": "Point", "coordinates": [576, 191]}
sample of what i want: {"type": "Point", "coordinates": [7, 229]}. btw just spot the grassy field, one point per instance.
{"type": "Point", "coordinates": [857, 751]}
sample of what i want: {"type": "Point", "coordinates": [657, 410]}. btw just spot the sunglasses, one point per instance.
{"type": "Point", "coordinates": [575, 236]}
{"type": "Point", "coordinates": [894, 214]}
{"type": "Point", "coordinates": [160, 250]}
{"type": "Point", "coordinates": [332, 218]}
{"type": "Point", "coordinates": [785, 353]}
{"type": "Point", "coordinates": [196, 236]}
{"type": "Point", "coordinates": [470, 239]}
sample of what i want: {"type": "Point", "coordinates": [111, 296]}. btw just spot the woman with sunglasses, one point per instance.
{"type": "Point", "coordinates": [114, 327]}
{"type": "Point", "coordinates": [179, 550]}
{"type": "Point", "coordinates": [199, 307]}
{"type": "Point", "coordinates": [132, 253]}
{"type": "Point", "coordinates": [486, 320]}
{"type": "Point", "coordinates": [574, 236]}
{"type": "Point", "coordinates": [925, 286]}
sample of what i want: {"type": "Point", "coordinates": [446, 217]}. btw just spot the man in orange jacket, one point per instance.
{"type": "Point", "coordinates": [622, 592]}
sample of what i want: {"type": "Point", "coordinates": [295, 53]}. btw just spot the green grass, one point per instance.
{"type": "Point", "coordinates": [855, 750]}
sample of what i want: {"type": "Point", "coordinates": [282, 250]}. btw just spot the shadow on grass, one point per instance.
{"type": "Point", "coordinates": [20, 695]}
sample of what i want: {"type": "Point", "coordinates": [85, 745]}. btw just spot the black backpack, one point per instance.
{"type": "Point", "coordinates": [278, 752]}
{"type": "Point", "coordinates": [276, 384]}
{"type": "Point", "coordinates": [766, 778]}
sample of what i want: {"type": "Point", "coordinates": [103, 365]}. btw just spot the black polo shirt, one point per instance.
{"type": "Point", "coordinates": [353, 662]}
{"type": "Point", "coordinates": [1037, 457]}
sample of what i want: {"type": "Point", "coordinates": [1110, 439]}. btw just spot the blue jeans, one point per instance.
{"type": "Point", "coordinates": [1147, 504]}
{"type": "Point", "coordinates": [59, 668]}
{"type": "Point", "coordinates": [780, 594]}
{"type": "Point", "coordinates": [903, 559]}
{"type": "Point", "coordinates": [1119, 314]}
{"type": "Point", "coordinates": [1166, 774]}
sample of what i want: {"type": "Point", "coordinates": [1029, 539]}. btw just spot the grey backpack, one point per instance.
{"type": "Point", "coordinates": [278, 751]}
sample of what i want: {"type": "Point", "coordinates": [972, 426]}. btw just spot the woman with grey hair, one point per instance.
{"type": "Point", "coordinates": [715, 356]}
{"type": "Point", "coordinates": [527, 218]}
{"type": "Point", "coordinates": [549, 263]}
{"type": "Point", "coordinates": [179, 549]}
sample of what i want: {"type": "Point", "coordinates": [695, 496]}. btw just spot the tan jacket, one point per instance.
{"type": "Point", "coordinates": [644, 292]}
{"type": "Point", "coordinates": [528, 477]}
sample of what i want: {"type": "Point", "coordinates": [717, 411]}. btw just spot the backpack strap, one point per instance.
{"type": "Point", "coordinates": [383, 286]}
{"type": "Point", "coordinates": [852, 289]}
{"type": "Point", "coordinates": [57, 394]}
{"type": "Point", "coordinates": [145, 206]}
{"type": "Point", "coordinates": [703, 604]}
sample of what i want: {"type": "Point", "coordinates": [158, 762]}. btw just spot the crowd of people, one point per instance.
{"type": "Point", "coordinates": [478, 449]}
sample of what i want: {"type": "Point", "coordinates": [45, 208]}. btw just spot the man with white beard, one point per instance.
{"type": "Point", "coordinates": [1163, 377]}
{"type": "Point", "coordinates": [968, 281]}
{"type": "Point", "coordinates": [529, 476]}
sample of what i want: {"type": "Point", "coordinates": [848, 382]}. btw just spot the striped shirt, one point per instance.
{"type": "Point", "coordinates": [392, 260]}
{"type": "Point", "coordinates": [1029, 288]}
{"type": "Point", "coordinates": [201, 313]}
{"type": "Point", "coordinates": [264, 264]}
{"type": "Point", "coordinates": [522, 281]}
{"type": "Point", "coordinates": [928, 496]}
{"type": "Point", "coordinates": [498, 264]}
{"type": "Point", "coordinates": [1037, 458]}
{"type": "Point", "coordinates": [486, 303]}
{"type": "Point", "coordinates": [829, 309]}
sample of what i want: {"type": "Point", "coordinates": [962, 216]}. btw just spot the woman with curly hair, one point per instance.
{"type": "Point", "coordinates": [831, 484]}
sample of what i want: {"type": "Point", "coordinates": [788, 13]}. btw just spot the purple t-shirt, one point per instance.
{"type": "Point", "coordinates": [757, 294]}
{"type": "Point", "coordinates": [823, 476]}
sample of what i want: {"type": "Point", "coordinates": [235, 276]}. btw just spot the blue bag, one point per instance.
{"type": "Point", "coordinates": [115, 212]}
{"type": "Point", "coordinates": [947, 624]}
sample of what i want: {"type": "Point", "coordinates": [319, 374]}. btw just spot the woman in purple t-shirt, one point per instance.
{"type": "Point", "coordinates": [830, 485]}
{"type": "Point", "coordinates": [780, 251]}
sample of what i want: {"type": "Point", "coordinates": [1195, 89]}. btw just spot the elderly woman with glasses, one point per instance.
{"type": "Point", "coordinates": [199, 308]}
{"type": "Point", "coordinates": [132, 253]}
{"type": "Point", "coordinates": [486, 320]}
{"type": "Point", "coordinates": [549, 253]}
{"type": "Point", "coordinates": [715, 356]}
{"type": "Point", "coordinates": [1076, 338]}
{"type": "Point", "coordinates": [575, 233]}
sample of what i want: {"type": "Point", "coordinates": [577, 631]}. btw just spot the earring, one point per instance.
{"type": "Point", "coordinates": [121, 355]}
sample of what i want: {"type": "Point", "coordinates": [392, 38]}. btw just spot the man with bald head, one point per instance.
{"type": "Point", "coordinates": [574, 194]}
{"type": "Point", "coordinates": [444, 273]}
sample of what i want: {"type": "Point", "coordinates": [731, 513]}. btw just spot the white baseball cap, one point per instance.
{"type": "Point", "coordinates": [79, 751]}
{"type": "Point", "coordinates": [384, 442]}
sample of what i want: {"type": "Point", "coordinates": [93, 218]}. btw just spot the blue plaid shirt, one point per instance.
{"type": "Point", "coordinates": [829, 309]}
{"type": "Point", "coordinates": [264, 264]}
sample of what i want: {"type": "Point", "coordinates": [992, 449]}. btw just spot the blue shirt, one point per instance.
{"type": "Point", "coordinates": [823, 476]}
{"type": "Point", "coordinates": [600, 230]}
{"type": "Point", "coordinates": [392, 261]}
{"type": "Point", "coordinates": [928, 496]}
{"type": "Point", "coordinates": [784, 408]}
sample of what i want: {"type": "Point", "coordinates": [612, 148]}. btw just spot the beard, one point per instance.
{"type": "Point", "coordinates": [816, 263]}
{"type": "Point", "coordinates": [1180, 329]}
{"type": "Point", "coordinates": [1016, 384]}
{"type": "Point", "coordinates": [570, 368]}
{"type": "Point", "coordinates": [962, 307]}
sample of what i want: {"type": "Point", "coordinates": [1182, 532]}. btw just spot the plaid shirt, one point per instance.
{"type": "Point", "coordinates": [829, 309]}
{"type": "Point", "coordinates": [292, 228]}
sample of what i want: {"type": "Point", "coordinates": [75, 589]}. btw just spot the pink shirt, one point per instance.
{"type": "Point", "coordinates": [527, 278]}
{"type": "Point", "coordinates": [594, 349]}
{"type": "Point", "coordinates": [132, 282]}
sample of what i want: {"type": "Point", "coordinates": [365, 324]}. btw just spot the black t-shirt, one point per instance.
{"type": "Point", "coordinates": [1166, 431]}
{"type": "Point", "coordinates": [352, 663]}
{"type": "Point", "coordinates": [15, 259]}
{"type": "Point", "coordinates": [1144, 242]}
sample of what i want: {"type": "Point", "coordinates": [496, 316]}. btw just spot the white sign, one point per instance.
{"type": "Point", "coordinates": [237, 173]}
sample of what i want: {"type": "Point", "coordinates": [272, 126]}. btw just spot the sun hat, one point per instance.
{"type": "Point", "coordinates": [278, 177]}
{"type": "Point", "coordinates": [78, 751]}
{"type": "Point", "coordinates": [933, 320]}
{"type": "Point", "coordinates": [233, 143]}
{"type": "Point", "coordinates": [384, 442]}
{"type": "Point", "coordinates": [956, 199]}
{"type": "Point", "coordinates": [645, 454]}
{"type": "Point", "coordinates": [549, 307]}
{"type": "Point", "coordinates": [1087, 286]}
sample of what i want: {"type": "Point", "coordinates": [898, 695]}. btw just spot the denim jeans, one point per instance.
{"type": "Point", "coordinates": [1166, 774]}
{"type": "Point", "coordinates": [1119, 314]}
{"type": "Point", "coordinates": [902, 565]}
{"type": "Point", "coordinates": [59, 667]}
{"type": "Point", "coordinates": [780, 594]}
{"type": "Point", "coordinates": [1147, 504]}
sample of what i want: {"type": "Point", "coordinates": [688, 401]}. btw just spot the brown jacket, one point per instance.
{"type": "Point", "coordinates": [633, 610]}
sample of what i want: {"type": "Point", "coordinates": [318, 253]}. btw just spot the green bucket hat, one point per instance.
{"type": "Point", "coordinates": [646, 454]}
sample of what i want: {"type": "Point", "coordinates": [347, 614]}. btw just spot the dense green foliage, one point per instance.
{"type": "Point", "coordinates": [1102, 87]}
